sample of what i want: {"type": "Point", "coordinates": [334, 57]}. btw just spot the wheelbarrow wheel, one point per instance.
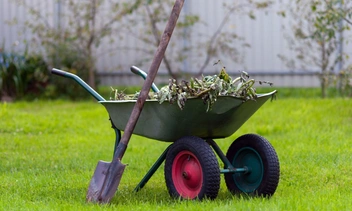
{"type": "Point", "coordinates": [257, 156]}
{"type": "Point", "coordinates": [192, 170]}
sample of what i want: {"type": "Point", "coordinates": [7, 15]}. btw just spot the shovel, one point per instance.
{"type": "Point", "coordinates": [107, 176]}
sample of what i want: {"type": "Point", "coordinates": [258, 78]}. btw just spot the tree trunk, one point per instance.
{"type": "Point", "coordinates": [323, 86]}
{"type": "Point", "coordinates": [91, 75]}
{"type": "Point", "coordinates": [324, 76]}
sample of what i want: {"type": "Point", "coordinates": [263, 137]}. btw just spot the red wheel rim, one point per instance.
{"type": "Point", "coordinates": [187, 174]}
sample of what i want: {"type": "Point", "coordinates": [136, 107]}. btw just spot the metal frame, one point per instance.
{"type": "Point", "coordinates": [229, 168]}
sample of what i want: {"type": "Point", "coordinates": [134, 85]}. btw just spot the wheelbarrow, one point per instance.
{"type": "Point", "coordinates": [191, 170]}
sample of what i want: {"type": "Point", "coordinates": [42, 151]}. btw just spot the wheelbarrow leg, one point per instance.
{"type": "Point", "coordinates": [229, 168]}
{"type": "Point", "coordinates": [152, 170]}
{"type": "Point", "coordinates": [117, 135]}
{"type": "Point", "coordinates": [221, 155]}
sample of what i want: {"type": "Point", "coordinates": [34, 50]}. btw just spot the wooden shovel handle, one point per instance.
{"type": "Point", "coordinates": [158, 56]}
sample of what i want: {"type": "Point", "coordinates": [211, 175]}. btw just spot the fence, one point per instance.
{"type": "Point", "coordinates": [264, 35]}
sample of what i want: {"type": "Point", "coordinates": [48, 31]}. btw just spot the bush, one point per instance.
{"type": "Point", "coordinates": [345, 82]}
{"type": "Point", "coordinates": [22, 76]}
{"type": "Point", "coordinates": [27, 76]}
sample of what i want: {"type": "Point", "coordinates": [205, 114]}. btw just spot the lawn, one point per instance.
{"type": "Point", "coordinates": [49, 150]}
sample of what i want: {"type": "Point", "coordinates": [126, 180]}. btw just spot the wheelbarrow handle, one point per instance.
{"type": "Point", "coordinates": [143, 74]}
{"type": "Point", "coordinates": [83, 84]}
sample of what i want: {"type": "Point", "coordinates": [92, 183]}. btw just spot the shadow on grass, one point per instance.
{"type": "Point", "coordinates": [159, 196]}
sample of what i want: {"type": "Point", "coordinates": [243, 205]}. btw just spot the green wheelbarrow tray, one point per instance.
{"type": "Point", "coordinates": [167, 122]}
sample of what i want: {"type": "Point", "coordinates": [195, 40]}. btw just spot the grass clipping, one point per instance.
{"type": "Point", "coordinates": [208, 88]}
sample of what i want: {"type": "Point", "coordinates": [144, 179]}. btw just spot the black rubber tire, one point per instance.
{"type": "Point", "coordinates": [199, 152]}
{"type": "Point", "coordinates": [257, 154]}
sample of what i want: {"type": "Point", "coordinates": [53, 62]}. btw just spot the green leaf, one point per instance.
{"type": "Point", "coordinates": [331, 33]}
{"type": "Point", "coordinates": [223, 75]}
{"type": "Point", "coordinates": [314, 8]}
{"type": "Point", "coordinates": [282, 13]}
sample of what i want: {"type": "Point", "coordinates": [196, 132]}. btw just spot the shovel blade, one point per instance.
{"type": "Point", "coordinates": [97, 181]}
{"type": "Point", "coordinates": [104, 183]}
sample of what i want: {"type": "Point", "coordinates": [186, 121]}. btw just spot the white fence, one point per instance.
{"type": "Point", "coordinates": [264, 35]}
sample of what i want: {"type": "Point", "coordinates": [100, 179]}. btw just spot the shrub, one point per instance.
{"type": "Point", "coordinates": [22, 76]}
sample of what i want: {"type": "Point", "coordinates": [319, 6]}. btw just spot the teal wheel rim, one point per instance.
{"type": "Point", "coordinates": [248, 158]}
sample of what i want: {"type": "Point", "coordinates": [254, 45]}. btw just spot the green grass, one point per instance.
{"type": "Point", "coordinates": [49, 150]}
